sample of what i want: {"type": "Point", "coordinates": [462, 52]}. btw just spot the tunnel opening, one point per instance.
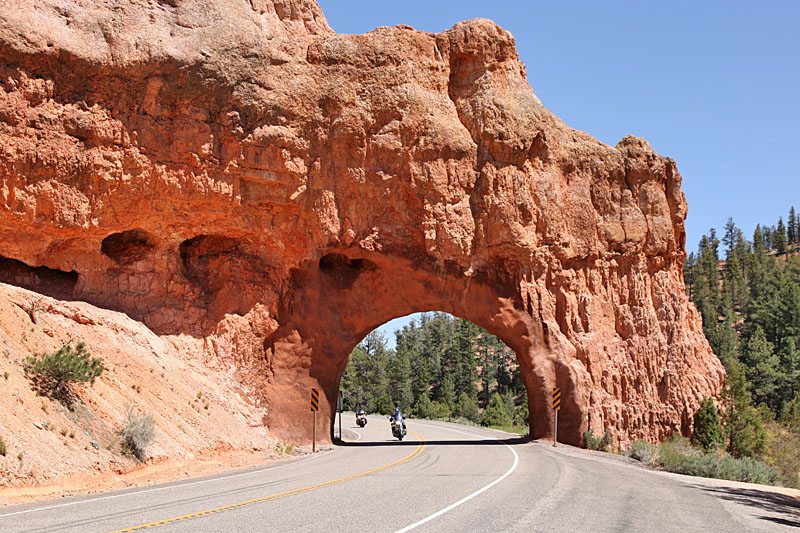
{"type": "Point", "coordinates": [323, 323]}
{"type": "Point", "coordinates": [435, 366]}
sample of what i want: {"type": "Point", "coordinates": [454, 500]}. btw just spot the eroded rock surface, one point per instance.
{"type": "Point", "coordinates": [235, 171]}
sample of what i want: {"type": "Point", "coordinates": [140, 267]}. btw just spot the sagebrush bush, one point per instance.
{"type": "Point", "coordinates": [282, 448]}
{"type": "Point", "coordinates": [642, 451]}
{"type": "Point", "coordinates": [672, 454]}
{"type": "Point", "coordinates": [137, 432]}
{"type": "Point", "coordinates": [595, 443]}
{"type": "Point", "coordinates": [675, 455]}
{"type": "Point", "coordinates": [783, 452]}
{"type": "Point", "coordinates": [52, 374]}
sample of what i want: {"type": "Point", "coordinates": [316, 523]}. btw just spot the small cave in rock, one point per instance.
{"type": "Point", "coordinates": [343, 270]}
{"type": "Point", "coordinates": [128, 246]}
{"type": "Point", "coordinates": [48, 281]}
{"type": "Point", "coordinates": [211, 260]}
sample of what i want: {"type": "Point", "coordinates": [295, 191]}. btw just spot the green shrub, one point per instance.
{"type": "Point", "coordinates": [521, 415]}
{"type": "Point", "coordinates": [672, 453]}
{"type": "Point", "coordinates": [467, 408]}
{"type": "Point", "coordinates": [384, 405]}
{"type": "Point", "coordinates": [496, 413]}
{"type": "Point", "coordinates": [642, 451]}
{"type": "Point", "coordinates": [137, 432]}
{"type": "Point", "coordinates": [594, 443]}
{"type": "Point", "coordinates": [708, 431]}
{"type": "Point", "coordinates": [675, 455]}
{"type": "Point", "coordinates": [423, 408]}
{"type": "Point", "coordinates": [440, 410]}
{"type": "Point", "coordinates": [748, 437]}
{"type": "Point", "coordinates": [459, 420]}
{"type": "Point", "coordinates": [783, 452]}
{"type": "Point", "coordinates": [2, 447]}
{"type": "Point", "coordinates": [52, 374]}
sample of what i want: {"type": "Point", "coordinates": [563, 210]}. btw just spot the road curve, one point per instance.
{"type": "Point", "coordinates": [442, 477]}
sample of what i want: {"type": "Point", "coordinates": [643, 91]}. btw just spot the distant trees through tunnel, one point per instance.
{"type": "Point", "coordinates": [441, 367]}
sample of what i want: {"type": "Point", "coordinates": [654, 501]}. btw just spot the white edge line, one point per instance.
{"type": "Point", "coordinates": [469, 497]}
{"type": "Point", "coordinates": [175, 486]}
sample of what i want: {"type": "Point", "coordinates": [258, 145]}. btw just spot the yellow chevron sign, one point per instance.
{"type": "Point", "coordinates": [557, 399]}
{"type": "Point", "coordinates": [315, 399]}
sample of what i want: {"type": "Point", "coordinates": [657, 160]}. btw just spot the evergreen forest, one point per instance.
{"type": "Point", "coordinates": [748, 293]}
{"type": "Point", "coordinates": [441, 368]}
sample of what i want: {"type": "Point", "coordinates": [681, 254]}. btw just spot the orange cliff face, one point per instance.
{"type": "Point", "coordinates": [238, 174]}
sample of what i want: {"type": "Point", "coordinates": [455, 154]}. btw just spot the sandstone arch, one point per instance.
{"type": "Point", "coordinates": [266, 169]}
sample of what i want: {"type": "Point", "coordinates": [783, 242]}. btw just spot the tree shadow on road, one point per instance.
{"type": "Point", "coordinates": [783, 509]}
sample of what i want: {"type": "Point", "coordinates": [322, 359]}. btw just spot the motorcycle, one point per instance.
{"type": "Point", "coordinates": [361, 419]}
{"type": "Point", "coordinates": [398, 427]}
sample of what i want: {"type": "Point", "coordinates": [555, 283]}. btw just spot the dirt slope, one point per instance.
{"type": "Point", "coordinates": [205, 419]}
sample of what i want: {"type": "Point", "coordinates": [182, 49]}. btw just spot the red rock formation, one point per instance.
{"type": "Point", "coordinates": [233, 170]}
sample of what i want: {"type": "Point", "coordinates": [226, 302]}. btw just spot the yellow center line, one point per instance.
{"type": "Point", "coordinates": [198, 514]}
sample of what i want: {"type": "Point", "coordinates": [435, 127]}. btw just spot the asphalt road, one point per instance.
{"type": "Point", "coordinates": [442, 477]}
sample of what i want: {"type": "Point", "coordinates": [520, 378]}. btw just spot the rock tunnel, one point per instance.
{"type": "Point", "coordinates": [287, 190]}
{"type": "Point", "coordinates": [343, 297]}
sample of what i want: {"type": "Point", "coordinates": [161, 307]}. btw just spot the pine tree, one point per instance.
{"type": "Point", "coordinates": [467, 408]}
{"type": "Point", "coordinates": [746, 434]}
{"type": "Point", "coordinates": [731, 239]}
{"type": "Point", "coordinates": [791, 230]}
{"type": "Point", "coordinates": [365, 380]}
{"type": "Point", "coordinates": [496, 413]}
{"type": "Point", "coordinates": [53, 374]}
{"type": "Point", "coordinates": [758, 239]}
{"type": "Point", "coordinates": [762, 368]}
{"type": "Point", "coordinates": [689, 273]}
{"type": "Point", "coordinates": [399, 373]}
{"type": "Point", "coordinates": [790, 370]}
{"type": "Point", "coordinates": [423, 408]}
{"type": "Point", "coordinates": [708, 431]}
{"type": "Point", "coordinates": [779, 237]}
{"type": "Point", "coordinates": [446, 392]}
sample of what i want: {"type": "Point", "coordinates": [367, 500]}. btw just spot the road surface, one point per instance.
{"type": "Point", "coordinates": [442, 477]}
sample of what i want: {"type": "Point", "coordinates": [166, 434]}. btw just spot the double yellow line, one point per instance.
{"type": "Point", "coordinates": [183, 518]}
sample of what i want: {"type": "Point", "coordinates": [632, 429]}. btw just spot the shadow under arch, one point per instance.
{"type": "Point", "coordinates": [438, 442]}
{"type": "Point", "coordinates": [338, 299]}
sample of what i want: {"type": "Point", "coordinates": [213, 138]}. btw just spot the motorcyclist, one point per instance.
{"type": "Point", "coordinates": [361, 414]}
{"type": "Point", "coordinates": [398, 417]}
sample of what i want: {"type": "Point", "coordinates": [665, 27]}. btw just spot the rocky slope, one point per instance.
{"type": "Point", "coordinates": [64, 450]}
{"type": "Point", "coordinates": [234, 173]}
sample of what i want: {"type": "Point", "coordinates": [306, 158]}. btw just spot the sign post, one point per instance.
{"type": "Point", "coordinates": [315, 408]}
{"type": "Point", "coordinates": [341, 404]}
{"type": "Point", "coordinates": [556, 408]}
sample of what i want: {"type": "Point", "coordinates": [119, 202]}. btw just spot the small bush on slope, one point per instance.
{"type": "Point", "coordinates": [137, 432]}
{"type": "Point", "coordinates": [53, 374]}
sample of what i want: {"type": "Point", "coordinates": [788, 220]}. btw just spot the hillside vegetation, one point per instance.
{"type": "Point", "coordinates": [748, 293]}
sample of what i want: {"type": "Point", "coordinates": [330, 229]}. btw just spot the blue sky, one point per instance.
{"type": "Point", "coordinates": [714, 85]}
